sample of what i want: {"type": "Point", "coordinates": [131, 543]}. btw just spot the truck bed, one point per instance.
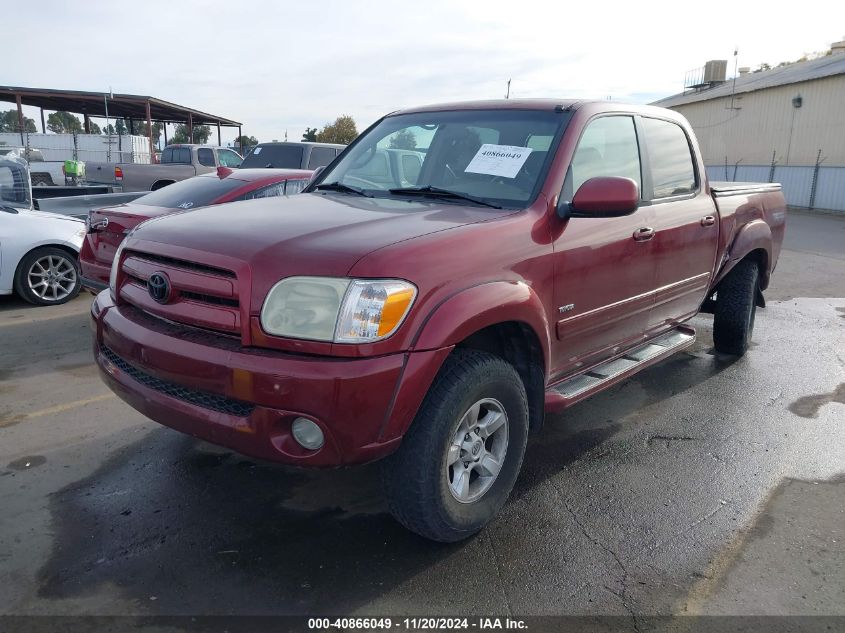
{"type": "Point", "coordinates": [723, 188]}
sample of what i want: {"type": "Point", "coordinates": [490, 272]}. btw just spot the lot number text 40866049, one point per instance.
{"type": "Point", "coordinates": [415, 624]}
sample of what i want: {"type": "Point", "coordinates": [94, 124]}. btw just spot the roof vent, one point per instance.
{"type": "Point", "coordinates": [744, 70]}
{"type": "Point", "coordinates": [838, 47]}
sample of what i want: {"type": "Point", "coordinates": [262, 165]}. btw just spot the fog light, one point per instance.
{"type": "Point", "coordinates": [307, 433]}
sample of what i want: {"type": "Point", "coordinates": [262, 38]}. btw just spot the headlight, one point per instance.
{"type": "Point", "coordinates": [339, 310]}
{"type": "Point", "coordinates": [115, 267]}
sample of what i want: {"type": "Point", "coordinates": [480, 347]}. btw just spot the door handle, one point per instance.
{"type": "Point", "coordinates": [644, 234]}
{"type": "Point", "coordinates": [708, 220]}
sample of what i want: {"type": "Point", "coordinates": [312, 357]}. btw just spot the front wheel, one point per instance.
{"type": "Point", "coordinates": [460, 459]}
{"type": "Point", "coordinates": [47, 276]}
{"type": "Point", "coordinates": [733, 318]}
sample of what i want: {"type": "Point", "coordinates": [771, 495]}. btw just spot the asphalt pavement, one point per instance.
{"type": "Point", "coordinates": [703, 485]}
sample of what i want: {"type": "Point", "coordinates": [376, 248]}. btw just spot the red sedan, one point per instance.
{"type": "Point", "coordinates": [107, 227]}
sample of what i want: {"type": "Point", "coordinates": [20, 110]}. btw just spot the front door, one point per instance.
{"type": "Point", "coordinates": [604, 267]}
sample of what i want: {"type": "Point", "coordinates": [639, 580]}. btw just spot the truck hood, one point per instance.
{"type": "Point", "coordinates": [306, 234]}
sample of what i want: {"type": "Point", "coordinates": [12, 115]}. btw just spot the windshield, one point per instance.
{"type": "Point", "coordinates": [279, 156]}
{"type": "Point", "coordinates": [198, 191]}
{"type": "Point", "coordinates": [498, 157]}
{"type": "Point", "coordinates": [14, 184]}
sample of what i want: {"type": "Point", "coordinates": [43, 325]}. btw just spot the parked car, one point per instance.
{"type": "Point", "coordinates": [292, 155]}
{"type": "Point", "coordinates": [108, 226]}
{"type": "Point", "coordinates": [178, 162]}
{"type": "Point", "coordinates": [546, 251]}
{"type": "Point", "coordinates": [38, 250]}
{"type": "Point", "coordinates": [41, 172]}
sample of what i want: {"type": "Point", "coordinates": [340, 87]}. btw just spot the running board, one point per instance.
{"type": "Point", "coordinates": [567, 392]}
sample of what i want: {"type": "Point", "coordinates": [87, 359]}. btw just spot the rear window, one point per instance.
{"type": "Point", "coordinates": [279, 156]}
{"type": "Point", "coordinates": [321, 156]}
{"type": "Point", "coordinates": [195, 192]}
{"type": "Point", "coordinates": [205, 157]}
{"type": "Point", "coordinates": [176, 155]}
{"type": "Point", "coordinates": [670, 158]}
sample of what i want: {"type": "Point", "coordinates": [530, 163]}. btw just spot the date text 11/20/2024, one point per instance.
{"type": "Point", "coordinates": [414, 624]}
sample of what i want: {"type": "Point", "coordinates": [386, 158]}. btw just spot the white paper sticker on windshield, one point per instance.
{"type": "Point", "coordinates": [257, 150]}
{"type": "Point", "coordinates": [499, 160]}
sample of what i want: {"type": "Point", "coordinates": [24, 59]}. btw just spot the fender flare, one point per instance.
{"type": "Point", "coordinates": [473, 309]}
{"type": "Point", "coordinates": [756, 235]}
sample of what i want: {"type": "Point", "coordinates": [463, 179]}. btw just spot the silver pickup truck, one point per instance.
{"type": "Point", "coordinates": [178, 162]}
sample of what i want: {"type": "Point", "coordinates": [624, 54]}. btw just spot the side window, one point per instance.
{"type": "Point", "coordinates": [228, 159]}
{"type": "Point", "coordinates": [669, 158]}
{"type": "Point", "coordinates": [284, 188]}
{"type": "Point", "coordinates": [608, 147]}
{"type": "Point", "coordinates": [205, 156]}
{"type": "Point", "coordinates": [321, 156]}
{"type": "Point", "coordinates": [295, 186]}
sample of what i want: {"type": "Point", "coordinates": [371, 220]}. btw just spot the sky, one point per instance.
{"type": "Point", "coordinates": [280, 67]}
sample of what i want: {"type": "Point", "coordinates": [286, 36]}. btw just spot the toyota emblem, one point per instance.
{"type": "Point", "coordinates": [159, 287]}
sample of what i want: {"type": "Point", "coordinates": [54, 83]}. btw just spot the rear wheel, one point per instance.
{"type": "Point", "coordinates": [47, 276]}
{"type": "Point", "coordinates": [733, 318]}
{"type": "Point", "coordinates": [460, 459]}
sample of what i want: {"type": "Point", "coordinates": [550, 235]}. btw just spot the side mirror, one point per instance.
{"type": "Point", "coordinates": [605, 197]}
{"type": "Point", "coordinates": [316, 173]}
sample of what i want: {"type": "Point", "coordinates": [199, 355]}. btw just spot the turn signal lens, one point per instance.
{"type": "Point", "coordinates": [373, 310]}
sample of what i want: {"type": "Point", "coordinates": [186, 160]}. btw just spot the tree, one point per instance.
{"type": "Point", "coordinates": [201, 134]}
{"type": "Point", "coordinates": [94, 128]}
{"type": "Point", "coordinates": [9, 122]}
{"type": "Point", "coordinates": [403, 139]}
{"type": "Point", "coordinates": [310, 134]}
{"type": "Point", "coordinates": [120, 127]}
{"type": "Point", "coordinates": [245, 142]}
{"type": "Point", "coordinates": [343, 131]}
{"type": "Point", "coordinates": [63, 123]}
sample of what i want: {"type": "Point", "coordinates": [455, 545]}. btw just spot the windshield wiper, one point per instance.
{"type": "Point", "coordinates": [339, 186]}
{"type": "Point", "coordinates": [437, 192]}
{"type": "Point", "coordinates": [9, 208]}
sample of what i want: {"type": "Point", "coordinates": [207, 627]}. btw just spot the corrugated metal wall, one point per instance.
{"type": "Point", "coordinates": [797, 183]}
{"type": "Point", "coordinates": [757, 125]}
{"type": "Point", "coordinates": [765, 121]}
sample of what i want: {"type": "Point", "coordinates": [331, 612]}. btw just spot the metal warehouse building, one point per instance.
{"type": "Point", "coordinates": [782, 125]}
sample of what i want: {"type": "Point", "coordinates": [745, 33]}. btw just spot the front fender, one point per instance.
{"type": "Point", "coordinates": [473, 309]}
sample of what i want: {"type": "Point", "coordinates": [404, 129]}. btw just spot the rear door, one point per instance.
{"type": "Point", "coordinates": [684, 221]}
{"type": "Point", "coordinates": [604, 271]}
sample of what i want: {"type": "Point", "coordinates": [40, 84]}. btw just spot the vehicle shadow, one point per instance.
{"type": "Point", "coordinates": [207, 531]}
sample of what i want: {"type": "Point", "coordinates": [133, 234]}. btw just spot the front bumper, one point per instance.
{"type": "Point", "coordinates": [246, 399]}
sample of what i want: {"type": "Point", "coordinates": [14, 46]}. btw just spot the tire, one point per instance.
{"type": "Point", "coordinates": [733, 317]}
{"type": "Point", "coordinates": [160, 184]}
{"type": "Point", "coordinates": [426, 494]}
{"type": "Point", "coordinates": [48, 276]}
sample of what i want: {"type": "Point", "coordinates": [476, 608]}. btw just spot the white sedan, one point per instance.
{"type": "Point", "coordinates": [39, 251]}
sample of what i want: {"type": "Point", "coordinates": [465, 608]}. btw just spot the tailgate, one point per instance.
{"type": "Point", "coordinates": [104, 243]}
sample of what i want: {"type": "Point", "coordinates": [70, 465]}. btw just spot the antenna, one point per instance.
{"type": "Point", "coordinates": [733, 84]}
{"type": "Point", "coordinates": [508, 95]}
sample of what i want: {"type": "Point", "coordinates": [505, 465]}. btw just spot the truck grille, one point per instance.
{"type": "Point", "coordinates": [200, 295]}
{"type": "Point", "coordinates": [211, 401]}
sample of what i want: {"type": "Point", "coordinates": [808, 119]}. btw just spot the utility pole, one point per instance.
{"type": "Point", "coordinates": [508, 95]}
{"type": "Point", "coordinates": [106, 103]}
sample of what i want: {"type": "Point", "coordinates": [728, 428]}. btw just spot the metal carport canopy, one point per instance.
{"type": "Point", "coordinates": [126, 106]}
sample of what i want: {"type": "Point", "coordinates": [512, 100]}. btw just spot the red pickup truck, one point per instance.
{"type": "Point", "coordinates": [543, 251]}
